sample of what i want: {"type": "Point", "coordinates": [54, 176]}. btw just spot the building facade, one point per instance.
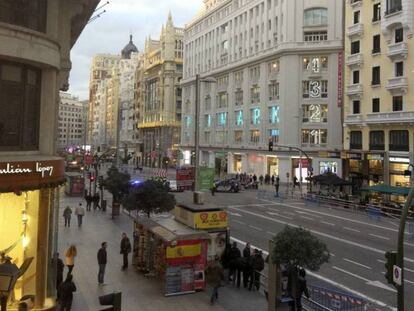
{"type": "Point", "coordinates": [36, 37]}
{"type": "Point", "coordinates": [278, 71]}
{"type": "Point", "coordinates": [160, 97]}
{"type": "Point", "coordinates": [72, 121]}
{"type": "Point", "coordinates": [379, 103]}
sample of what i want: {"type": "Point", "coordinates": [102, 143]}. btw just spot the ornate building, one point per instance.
{"type": "Point", "coordinates": [160, 96]}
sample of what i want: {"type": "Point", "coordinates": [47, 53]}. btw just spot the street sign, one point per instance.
{"type": "Point", "coordinates": [397, 275]}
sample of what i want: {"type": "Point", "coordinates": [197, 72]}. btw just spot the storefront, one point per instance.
{"type": "Point", "coordinates": [376, 168]}
{"type": "Point", "coordinates": [301, 168]}
{"type": "Point", "coordinates": [398, 165]}
{"type": "Point", "coordinates": [272, 165]}
{"type": "Point", "coordinates": [237, 163]}
{"type": "Point", "coordinates": [29, 203]}
{"type": "Point", "coordinates": [172, 252]}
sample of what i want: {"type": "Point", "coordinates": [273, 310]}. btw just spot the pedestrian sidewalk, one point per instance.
{"type": "Point", "coordinates": [138, 292]}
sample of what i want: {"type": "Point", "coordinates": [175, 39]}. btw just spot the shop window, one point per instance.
{"type": "Point", "coordinates": [238, 137]}
{"type": "Point", "coordinates": [399, 140]}
{"type": "Point", "coordinates": [376, 140]}
{"type": "Point", "coordinates": [314, 137]}
{"type": "Point", "coordinates": [315, 64]}
{"type": "Point", "coordinates": [315, 113]}
{"type": "Point", "coordinates": [375, 105]}
{"type": "Point", "coordinates": [20, 88]}
{"type": "Point", "coordinates": [25, 13]}
{"type": "Point", "coordinates": [328, 167]}
{"type": "Point", "coordinates": [356, 140]}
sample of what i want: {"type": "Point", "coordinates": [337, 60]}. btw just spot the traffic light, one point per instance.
{"type": "Point", "coordinates": [391, 260]}
{"type": "Point", "coordinates": [270, 145]}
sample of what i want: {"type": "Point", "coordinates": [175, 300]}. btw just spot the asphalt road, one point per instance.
{"type": "Point", "coordinates": [356, 242]}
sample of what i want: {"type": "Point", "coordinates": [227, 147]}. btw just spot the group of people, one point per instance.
{"type": "Point", "coordinates": [248, 178]}
{"type": "Point", "coordinates": [92, 201]}
{"type": "Point", "coordinates": [79, 212]}
{"type": "Point", "coordinates": [65, 289]}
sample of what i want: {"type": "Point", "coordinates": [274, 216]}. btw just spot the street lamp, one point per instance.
{"type": "Point", "coordinates": [196, 123]}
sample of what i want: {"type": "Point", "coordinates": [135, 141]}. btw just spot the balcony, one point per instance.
{"type": "Point", "coordinates": [355, 60]}
{"type": "Point", "coordinates": [397, 85]}
{"type": "Point", "coordinates": [354, 90]}
{"type": "Point", "coordinates": [355, 3]}
{"type": "Point", "coordinates": [390, 117]}
{"type": "Point", "coordinates": [353, 119]}
{"type": "Point", "coordinates": [356, 30]}
{"type": "Point", "coordinates": [397, 51]}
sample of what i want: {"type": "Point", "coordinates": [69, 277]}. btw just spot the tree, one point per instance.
{"type": "Point", "coordinates": [150, 197]}
{"type": "Point", "coordinates": [117, 183]}
{"type": "Point", "coordinates": [297, 247]}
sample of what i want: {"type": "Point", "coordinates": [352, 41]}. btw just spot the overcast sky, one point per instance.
{"type": "Point", "coordinates": [110, 33]}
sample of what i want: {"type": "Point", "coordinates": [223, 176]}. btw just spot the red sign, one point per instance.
{"type": "Point", "coordinates": [340, 79]}
{"type": "Point", "coordinates": [185, 177]}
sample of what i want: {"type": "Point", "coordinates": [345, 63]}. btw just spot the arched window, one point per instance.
{"type": "Point", "coordinates": [315, 17]}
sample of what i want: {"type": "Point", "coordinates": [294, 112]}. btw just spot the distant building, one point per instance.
{"type": "Point", "coordinates": [160, 111]}
{"type": "Point", "coordinates": [72, 121]}
{"type": "Point", "coordinates": [278, 71]}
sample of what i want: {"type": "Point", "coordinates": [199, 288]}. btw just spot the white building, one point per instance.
{"type": "Point", "coordinates": [72, 121]}
{"type": "Point", "coordinates": [278, 67]}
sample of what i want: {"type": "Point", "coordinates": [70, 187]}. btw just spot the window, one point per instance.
{"type": "Point", "coordinates": [376, 44]}
{"type": "Point", "coordinates": [376, 140]}
{"type": "Point", "coordinates": [314, 137]}
{"type": "Point", "coordinates": [399, 35]}
{"type": "Point", "coordinates": [222, 99]}
{"type": "Point", "coordinates": [222, 118]}
{"type": "Point", "coordinates": [20, 105]}
{"type": "Point", "coordinates": [316, 17]}
{"type": "Point", "coordinates": [356, 107]}
{"type": "Point", "coordinates": [357, 15]}
{"type": "Point", "coordinates": [315, 89]}
{"type": "Point", "coordinates": [375, 105]}
{"type": "Point", "coordinates": [393, 6]}
{"type": "Point", "coordinates": [355, 47]}
{"type": "Point", "coordinates": [397, 103]}
{"type": "Point", "coordinates": [356, 140]}
{"type": "Point", "coordinates": [274, 135]}
{"type": "Point", "coordinates": [315, 113]}
{"type": "Point", "coordinates": [315, 36]}
{"type": "Point", "coordinates": [239, 117]}
{"type": "Point", "coordinates": [25, 13]}
{"type": "Point", "coordinates": [376, 75]}
{"type": "Point", "coordinates": [315, 64]}
{"type": "Point", "coordinates": [274, 115]}
{"type": "Point", "coordinates": [255, 116]}
{"type": "Point", "coordinates": [239, 97]}
{"type": "Point", "coordinates": [254, 136]}
{"type": "Point", "coordinates": [255, 94]}
{"type": "Point", "coordinates": [399, 140]}
{"type": "Point", "coordinates": [238, 137]}
{"type": "Point", "coordinates": [273, 67]}
{"type": "Point", "coordinates": [274, 91]}
{"type": "Point", "coordinates": [376, 16]}
{"type": "Point", "coordinates": [207, 120]}
{"type": "Point", "coordinates": [399, 69]}
{"type": "Point", "coordinates": [355, 77]}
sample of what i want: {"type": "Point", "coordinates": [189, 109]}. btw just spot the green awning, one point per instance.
{"type": "Point", "coordinates": [387, 189]}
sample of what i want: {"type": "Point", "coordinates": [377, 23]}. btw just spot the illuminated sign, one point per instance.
{"type": "Point", "coordinates": [211, 220]}
{"type": "Point", "coordinates": [315, 112]}
{"type": "Point", "coordinates": [274, 115]}
{"type": "Point", "coordinates": [255, 114]}
{"type": "Point", "coordinates": [315, 89]}
{"type": "Point", "coordinates": [315, 65]}
{"type": "Point", "coordinates": [11, 169]}
{"type": "Point", "coordinates": [239, 118]}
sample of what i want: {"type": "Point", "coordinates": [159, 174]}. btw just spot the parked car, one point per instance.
{"type": "Point", "coordinates": [227, 185]}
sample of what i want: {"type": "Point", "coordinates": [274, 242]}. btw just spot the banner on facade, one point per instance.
{"type": "Point", "coordinates": [340, 79]}
{"type": "Point", "coordinates": [205, 178]}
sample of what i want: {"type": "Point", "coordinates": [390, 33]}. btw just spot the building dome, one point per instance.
{"type": "Point", "coordinates": [128, 49]}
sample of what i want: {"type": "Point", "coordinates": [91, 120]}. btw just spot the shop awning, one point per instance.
{"type": "Point", "coordinates": [386, 189]}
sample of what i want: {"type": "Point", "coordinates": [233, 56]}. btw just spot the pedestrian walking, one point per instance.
{"type": "Point", "coordinates": [102, 260]}
{"type": "Point", "coordinates": [70, 255]}
{"type": "Point", "coordinates": [301, 289]}
{"type": "Point", "coordinates": [295, 181]}
{"type": "Point", "coordinates": [273, 179]}
{"type": "Point", "coordinates": [277, 184]}
{"type": "Point", "coordinates": [261, 179]}
{"type": "Point", "coordinates": [258, 266]}
{"type": "Point", "coordinates": [214, 276]}
{"type": "Point", "coordinates": [67, 214]}
{"type": "Point", "coordinates": [80, 212]}
{"type": "Point", "coordinates": [95, 201]}
{"type": "Point", "coordinates": [247, 250]}
{"type": "Point", "coordinates": [125, 249]}
{"type": "Point", "coordinates": [234, 255]}
{"type": "Point", "coordinates": [89, 200]}
{"type": "Point", "coordinates": [60, 266]}
{"type": "Point", "coordinates": [65, 292]}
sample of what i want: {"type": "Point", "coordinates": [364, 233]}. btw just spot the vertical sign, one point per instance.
{"type": "Point", "coordinates": [340, 78]}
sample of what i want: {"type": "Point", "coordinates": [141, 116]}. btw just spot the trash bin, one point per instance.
{"type": "Point", "coordinates": [112, 300]}
{"type": "Point", "coordinates": [103, 205]}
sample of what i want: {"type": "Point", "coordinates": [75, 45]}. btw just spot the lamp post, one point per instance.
{"type": "Point", "coordinates": [196, 124]}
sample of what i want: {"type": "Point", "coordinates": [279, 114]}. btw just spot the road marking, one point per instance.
{"type": "Point", "coordinates": [329, 281]}
{"type": "Point", "coordinates": [270, 232]}
{"type": "Point", "coordinates": [289, 213]}
{"type": "Point", "coordinates": [305, 213]}
{"type": "Point", "coordinates": [328, 223]}
{"type": "Point", "coordinates": [407, 281]}
{"type": "Point", "coordinates": [379, 237]}
{"type": "Point", "coordinates": [381, 261]}
{"type": "Point", "coordinates": [406, 269]}
{"type": "Point", "coordinates": [299, 203]}
{"type": "Point", "coordinates": [235, 214]}
{"type": "Point", "coordinates": [408, 244]}
{"type": "Point", "coordinates": [306, 217]}
{"type": "Point", "coordinates": [238, 221]}
{"type": "Point", "coordinates": [351, 229]}
{"type": "Point", "coordinates": [256, 228]}
{"type": "Point", "coordinates": [276, 214]}
{"type": "Point", "coordinates": [356, 263]}
{"type": "Point", "coordinates": [368, 282]}
{"type": "Point", "coordinates": [338, 217]}
{"type": "Point", "coordinates": [373, 249]}
{"type": "Point", "coordinates": [332, 254]}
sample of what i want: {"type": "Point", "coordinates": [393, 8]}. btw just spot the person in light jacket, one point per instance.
{"type": "Point", "coordinates": [70, 255]}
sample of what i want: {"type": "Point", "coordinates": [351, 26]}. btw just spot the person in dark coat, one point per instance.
{"type": "Point", "coordinates": [301, 289]}
{"type": "Point", "coordinates": [247, 250]}
{"type": "Point", "coordinates": [234, 255]}
{"type": "Point", "coordinates": [60, 266]}
{"type": "Point", "coordinates": [65, 292]}
{"type": "Point", "coordinates": [277, 184]}
{"type": "Point", "coordinates": [102, 260]}
{"type": "Point", "coordinates": [125, 250]}
{"type": "Point", "coordinates": [273, 179]}
{"type": "Point", "coordinates": [258, 266]}
{"type": "Point", "coordinates": [214, 276]}
{"type": "Point", "coordinates": [95, 201]}
{"type": "Point", "coordinates": [246, 265]}
{"type": "Point", "coordinates": [88, 200]}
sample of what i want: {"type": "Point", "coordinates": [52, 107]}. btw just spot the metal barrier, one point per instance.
{"type": "Point", "coordinates": [310, 305]}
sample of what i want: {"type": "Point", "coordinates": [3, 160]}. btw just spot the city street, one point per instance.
{"type": "Point", "coordinates": [356, 242]}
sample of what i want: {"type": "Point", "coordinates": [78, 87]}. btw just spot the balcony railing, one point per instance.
{"type": "Point", "coordinates": [355, 30]}
{"type": "Point", "coordinates": [353, 119]}
{"type": "Point", "coordinates": [390, 117]}
{"type": "Point", "coordinates": [355, 59]}
{"type": "Point", "coordinates": [398, 84]}
{"type": "Point", "coordinates": [397, 50]}
{"type": "Point", "coordinates": [354, 89]}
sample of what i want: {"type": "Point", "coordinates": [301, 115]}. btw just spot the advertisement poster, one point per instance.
{"type": "Point", "coordinates": [205, 178]}
{"type": "Point", "coordinates": [211, 220]}
{"type": "Point", "coordinates": [217, 245]}
{"type": "Point", "coordinates": [185, 177]}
